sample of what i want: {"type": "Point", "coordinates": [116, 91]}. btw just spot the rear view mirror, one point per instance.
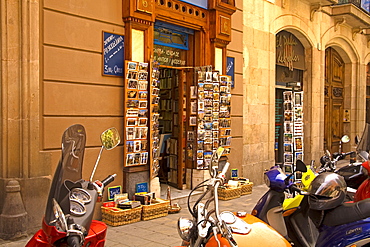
{"type": "Point", "coordinates": [110, 138]}
{"type": "Point", "coordinates": [300, 166]}
{"type": "Point", "coordinates": [357, 139]}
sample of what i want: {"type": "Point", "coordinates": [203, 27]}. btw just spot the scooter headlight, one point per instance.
{"type": "Point", "coordinates": [185, 228]}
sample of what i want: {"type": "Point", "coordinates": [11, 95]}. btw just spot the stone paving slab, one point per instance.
{"type": "Point", "coordinates": [160, 232]}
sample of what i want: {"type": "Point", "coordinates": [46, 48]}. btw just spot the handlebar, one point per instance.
{"type": "Point", "coordinates": [108, 180]}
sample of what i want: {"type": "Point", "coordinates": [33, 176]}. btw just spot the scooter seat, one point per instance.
{"type": "Point", "coordinates": [347, 213]}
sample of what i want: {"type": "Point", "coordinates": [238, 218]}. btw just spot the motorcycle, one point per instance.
{"type": "Point", "coordinates": [71, 201]}
{"type": "Point", "coordinates": [208, 227]}
{"type": "Point", "coordinates": [322, 218]}
{"type": "Point", "coordinates": [363, 149]}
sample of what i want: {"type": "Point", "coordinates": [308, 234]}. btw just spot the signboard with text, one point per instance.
{"type": "Point", "coordinates": [169, 56]}
{"type": "Point", "coordinates": [230, 69]}
{"type": "Point", "coordinates": [113, 54]}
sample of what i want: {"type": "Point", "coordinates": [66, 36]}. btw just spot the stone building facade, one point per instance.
{"type": "Point", "coordinates": [51, 78]}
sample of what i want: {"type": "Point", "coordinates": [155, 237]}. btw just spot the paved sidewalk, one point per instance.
{"type": "Point", "coordinates": [161, 231]}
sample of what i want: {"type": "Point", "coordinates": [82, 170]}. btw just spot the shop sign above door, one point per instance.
{"type": "Point", "coordinates": [113, 55]}
{"type": "Point", "coordinates": [169, 56]}
{"type": "Point", "coordinates": [289, 51]}
{"type": "Point", "coordinates": [199, 3]}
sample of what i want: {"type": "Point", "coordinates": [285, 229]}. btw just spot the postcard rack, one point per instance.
{"type": "Point", "coordinates": [293, 129]}
{"type": "Point", "coordinates": [209, 116]}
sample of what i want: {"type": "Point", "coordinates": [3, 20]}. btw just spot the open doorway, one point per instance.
{"type": "Point", "coordinates": [171, 127]}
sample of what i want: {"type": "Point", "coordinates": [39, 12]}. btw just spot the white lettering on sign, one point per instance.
{"type": "Point", "coordinates": [113, 44]}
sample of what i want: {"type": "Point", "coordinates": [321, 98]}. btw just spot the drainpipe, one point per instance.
{"type": "Point", "coordinates": [13, 218]}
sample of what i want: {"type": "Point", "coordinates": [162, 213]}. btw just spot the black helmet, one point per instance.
{"type": "Point", "coordinates": [327, 191]}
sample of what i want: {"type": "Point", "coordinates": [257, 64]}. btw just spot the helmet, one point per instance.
{"type": "Point", "coordinates": [327, 191]}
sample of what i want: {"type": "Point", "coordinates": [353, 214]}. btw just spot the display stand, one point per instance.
{"type": "Point", "coordinates": [136, 114]}
{"type": "Point", "coordinates": [209, 111]}
{"type": "Point", "coordinates": [293, 129]}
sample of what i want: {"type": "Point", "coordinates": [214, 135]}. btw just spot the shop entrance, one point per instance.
{"type": "Point", "coordinates": [171, 127]}
{"type": "Point", "coordinates": [334, 99]}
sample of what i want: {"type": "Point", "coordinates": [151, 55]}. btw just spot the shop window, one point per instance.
{"type": "Point", "coordinates": [171, 35]}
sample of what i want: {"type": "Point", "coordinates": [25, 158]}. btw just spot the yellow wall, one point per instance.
{"type": "Point", "coordinates": [74, 90]}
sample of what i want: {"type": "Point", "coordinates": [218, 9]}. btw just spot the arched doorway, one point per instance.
{"type": "Point", "coordinates": [334, 99]}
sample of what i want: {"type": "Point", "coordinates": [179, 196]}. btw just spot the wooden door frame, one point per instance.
{"type": "Point", "coordinates": [334, 98]}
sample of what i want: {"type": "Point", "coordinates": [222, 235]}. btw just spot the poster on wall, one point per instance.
{"type": "Point", "coordinates": [113, 54]}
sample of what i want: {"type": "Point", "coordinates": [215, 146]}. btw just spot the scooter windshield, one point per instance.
{"type": "Point", "coordinates": [364, 144]}
{"type": "Point", "coordinates": [69, 168]}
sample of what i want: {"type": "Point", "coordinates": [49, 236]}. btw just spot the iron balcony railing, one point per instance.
{"type": "Point", "coordinates": [362, 4]}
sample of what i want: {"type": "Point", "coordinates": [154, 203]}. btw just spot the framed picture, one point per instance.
{"type": "Point", "coordinates": [298, 113]}
{"type": "Point", "coordinates": [288, 147]}
{"type": "Point", "coordinates": [143, 66]}
{"type": "Point", "coordinates": [288, 168]}
{"type": "Point", "coordinates": [130, 146]}
{"type": "Point", "coordinates": [131, 94]}
{"type": "Point", "coordinates": [201, 105]}
{"type": "Point", "coordinates": [200, 154]}
{"type": "Point", "coordinates": [288, 158]}
{"type": "Point", "coordinates": [143, 95]}
{"type": "Point", "coordinates": [130, 159]}
{"type": "Point", "coordinates": [143, 121]}
{"type": "Point", "coordinates": [137, 146]}
{"type": "Point", "coordinates": [298, 156]}
{"type": "Point", "coordinates": [298, 98]}
{"type": "Point", "coordinates": [132, 75]}
{"type": "Point", "coordinates": [132, 113]}
{"type": "Point", "coordinates": [298, 143]}
{"type": "Point", "coordinates": [193, 121]}
{"type": "Point", "coordinates": [130, 133]}
{"type": "Point", "coordinates": [143, 76]}
{"type": "Point", "coordinates": [193, 107]}
{"type": "Point", "coordinates": [143, 104]}
{"type": "Point", "coordinates": [144, 158]}
{"type": "Point", "coordinates": [288, 127]}
{"type": "Point", "coordinates": [132, 103]}
{"type": "Point", "coordinates": [143, 85]}
{"type": "Point", "coordinates": [131, 121]}
{"type": "Point", "coordinates": [287, 96]}
{"type": "Point", "coordinates": [193, 92]}
{"type": "Point", "coordinates": [131, 65]}
{"type": "Point", "coordinates": [142, 113]}
{"type": "Point", "coordinates": [190, 136]}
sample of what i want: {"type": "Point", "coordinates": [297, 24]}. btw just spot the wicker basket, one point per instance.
{"type": "Point", "coordinates": [228, 194]}
{"type": "Point", "coordinates": [156, 209]}
{"type": "Point", "coordinates": [117, 217]}
{"type": "Point", "coordinates": [247, 188]}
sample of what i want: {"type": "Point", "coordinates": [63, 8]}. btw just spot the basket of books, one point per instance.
{"type": "Point", "coordinates": [228, 193]}
{"type": "Point", "coordinates": [246, 188]}
{"type": "Point", "coordinates": [157, 208]}
{"type": "Point", "coordinates": [116, 217]}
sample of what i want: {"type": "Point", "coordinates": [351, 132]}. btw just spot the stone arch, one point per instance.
{"type": "Point", "coordinates": [288, 23]}
{"type": "Point", "coordinates": [306, 36]}
{"type": "Point", "coordinates": [354, 80]}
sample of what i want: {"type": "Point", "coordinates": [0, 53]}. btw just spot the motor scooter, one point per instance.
{"type": "Point", "coordinates": [71, 201]}
{"type": "Point", "coordinates": [209, 228]}
{"type": "Point", "coordinates": [334, 223]}
{"type": "Point", "coordinates": [363, 149]}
